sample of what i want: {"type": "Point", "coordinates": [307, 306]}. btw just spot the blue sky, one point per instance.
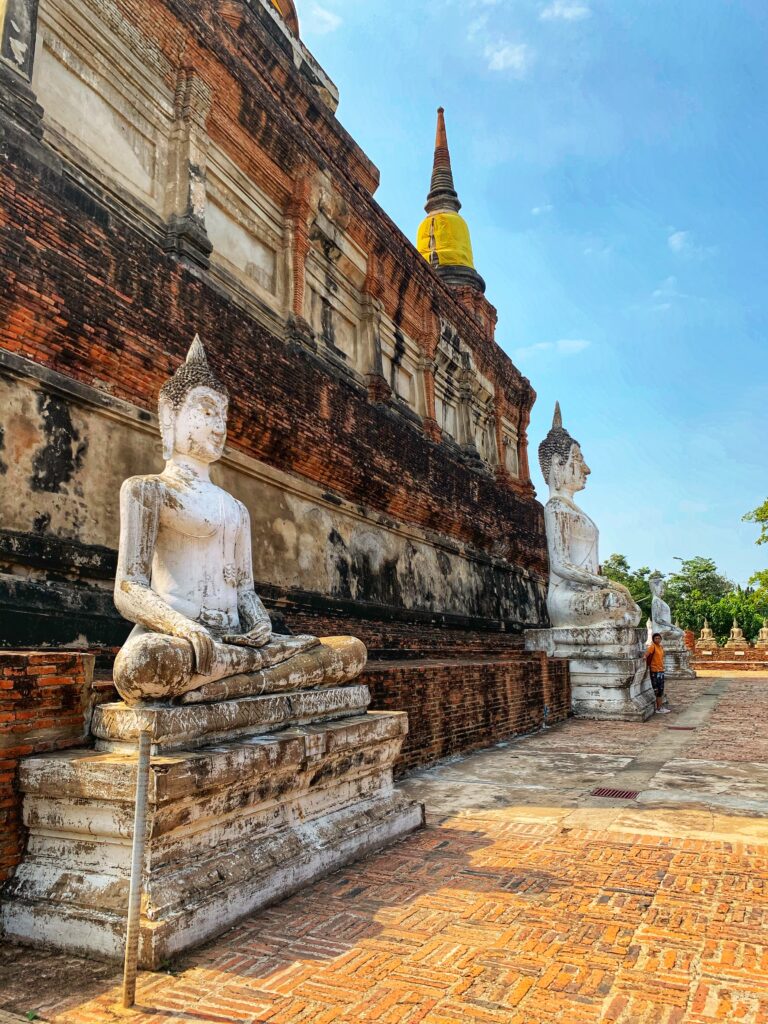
{"type": "Point", "coordinates": [612, 161]}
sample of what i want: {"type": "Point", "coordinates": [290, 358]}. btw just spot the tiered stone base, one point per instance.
{"type": "Point", "coordinates": [607, 668]}
{"type": "Point", "coordinates": [677, 659]}
{"type": "Point", "coordinates": [231, 828]}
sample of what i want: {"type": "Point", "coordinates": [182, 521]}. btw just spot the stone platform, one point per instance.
{"type": "Point", "coordinates": [171, 727]}
{"type": "Point", "coordinates": [526, 900]}
{"type": "Point", "coordinates": [607, 666]}
{"type": "Point", "coordinates": [231, 827]}
{"type": "Point", "coordinates": [677, 659]}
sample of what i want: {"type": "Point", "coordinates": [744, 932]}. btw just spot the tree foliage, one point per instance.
{"type": "Point", "coordinates": [759, 515]}
{"type": "Point", "coordinates": [699, 591]}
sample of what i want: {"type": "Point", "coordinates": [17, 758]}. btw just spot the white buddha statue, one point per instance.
{"type": "Point", "coordinates": [736, 637]}
{"type": "Point", "coordinates": [707, 636]}
{"type": "Point", "coordinates": [184, 573]}
{"type": "Point", "coordinates": [661, 614]}
{"type": "Point", "coordinates": [578, 595]}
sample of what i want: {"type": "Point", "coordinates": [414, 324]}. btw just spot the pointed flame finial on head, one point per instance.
{"type": "Point", "coordinates": [194, 372]}
{"type": "Point", "coordinates": [196, 352]}
{"type": "Point", "coordinates": [557, 442]}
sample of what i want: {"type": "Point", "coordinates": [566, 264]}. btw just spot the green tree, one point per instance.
{"type": "Point", "coordinates": [695, 593]}
{"type": "Point", "coordinates": [759, 515]}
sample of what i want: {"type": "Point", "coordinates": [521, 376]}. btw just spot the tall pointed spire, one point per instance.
{"type": "Point", "coordinates": [443, 237]}
{"type": "Point", "coordinates": [442, 192]}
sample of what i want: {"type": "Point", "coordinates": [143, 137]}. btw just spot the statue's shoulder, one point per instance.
{"type": "Point", "coordinates": [143, 489]}
{"type": "Point", "coordinates": [556, 504]}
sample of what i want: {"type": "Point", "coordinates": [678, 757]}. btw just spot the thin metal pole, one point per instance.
{"type": "Point", "coordinates": [137, 868]}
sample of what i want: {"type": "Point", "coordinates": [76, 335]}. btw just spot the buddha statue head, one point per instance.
{"type": "Point", "coordinates": [192, 409]}
{"type": "Point", "coordinates": [656, 585]}
{"type": "Point", "coordinates": [561, 461]}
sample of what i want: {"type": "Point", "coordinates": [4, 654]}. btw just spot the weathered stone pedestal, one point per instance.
{"type": "Point", "coordinates": [607, 667]}
{"type": "Point", "coordinates": [677, 658]}
{"type": "Point", "coordinates": [295, 786]}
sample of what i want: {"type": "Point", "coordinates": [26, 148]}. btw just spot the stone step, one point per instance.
{"type": "Point", "coordinates": [95, 775]}
{"type": "Point", "coordinates": [173, 727]}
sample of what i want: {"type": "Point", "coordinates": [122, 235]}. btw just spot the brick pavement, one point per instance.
{"type": "Point", "coordinates": [530, 902]}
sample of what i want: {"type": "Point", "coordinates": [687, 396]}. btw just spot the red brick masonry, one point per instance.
{"type": "Point", "coordinates": [750, 659]}
{"type": "Point", "coordinates": [45, 704]}
{"type": "Point", "coordinates": [457, 706]}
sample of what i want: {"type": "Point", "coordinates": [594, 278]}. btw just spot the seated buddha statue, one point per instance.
{"type": "Point", "coordinates": [706, 633]}
{"type": "Point", "coordinates": [185, 577]}
{"type": "Point", "coordinates": [578, 595]}
{"type": "Point", "coordinates": [736, 637]}
{"type": "Point", "coordinates": [661, 614]}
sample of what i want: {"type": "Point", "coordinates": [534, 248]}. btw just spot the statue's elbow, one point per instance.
{"type": "Point", "coordinates": [123, 598]}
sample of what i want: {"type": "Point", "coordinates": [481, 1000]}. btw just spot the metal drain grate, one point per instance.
{"type": "Point", "coordinates": [682, 728]}
{"type": "Point", "coordinates": [616, 794]}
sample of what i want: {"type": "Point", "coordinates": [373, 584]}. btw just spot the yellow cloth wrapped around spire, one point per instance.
{"type": "Point", "coordinates": [444, 241]}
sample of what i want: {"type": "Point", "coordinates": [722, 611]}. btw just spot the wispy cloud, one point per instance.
{"type": "Point", "coordinates": [321, 20]}
{"type": "Point", "coordinates": [499, 51]}
{"type": "Point", "coordinates": [562, 347]}
{"type": "Point", "coordinates": [663, 296]}
{"type": "Point", "coordinates": [503, 55]}
{"type": "Point", "coordinates": [537, 211]}
{"type": "Point", "coordinates": [566, 10]}
{"type": "Point", "coordinates": [669, 294]}
{"type": "Point", "coordinates": [683, 243]}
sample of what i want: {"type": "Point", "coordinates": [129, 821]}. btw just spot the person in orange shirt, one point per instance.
{"type": "Point", "coordinates": [654, 659]}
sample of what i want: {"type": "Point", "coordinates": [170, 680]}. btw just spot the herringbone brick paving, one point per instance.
{"type": "Point", "coordinates": [532, 911]}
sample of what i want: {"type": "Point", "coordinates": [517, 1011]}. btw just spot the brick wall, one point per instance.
{"type": "Point", "coordinates": [288, 408]}
{"type": "Point", "coordinates": [750, 659]}
{"type": "Point", "coordinates": [395, 640]}
{"type": "Point", "coordinates": [45, 701]}
{"type": "Point", "coordinates": [457, 706]}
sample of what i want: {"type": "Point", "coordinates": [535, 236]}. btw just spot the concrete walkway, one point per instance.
{"type": "Point", "coordinates": [527, 900]}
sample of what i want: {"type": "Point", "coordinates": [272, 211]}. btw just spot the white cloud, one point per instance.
{"type": "Point", "coordinates": [544, 208]}
{"type": "Point", "coordinates": [683, 243]}
{"type": "Point", "coordinates": [679, 241]}
{"type": "Point", "coordinates": [571, 346]}
{"type": "Point", "coordinates": [562, 347]}
{"type": "Point", "coordinates": [566, 10]}
{"type": "Point", "coordinates": [322, 20]}
{"type": "Point", "coordinates": [668, 294]}
{"type": "Point", "coordinates": [505, 56]}
{"type": "Point", "coordinates": [667, 289]}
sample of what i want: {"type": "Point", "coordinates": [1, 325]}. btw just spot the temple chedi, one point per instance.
{"type": "Point", "coordinates": [443, 237]}
{"type": "Point", "coordinates": [366, 481]}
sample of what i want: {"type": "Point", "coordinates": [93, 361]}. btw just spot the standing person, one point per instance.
{"type": "Point", "coordinates": [654, 659]}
